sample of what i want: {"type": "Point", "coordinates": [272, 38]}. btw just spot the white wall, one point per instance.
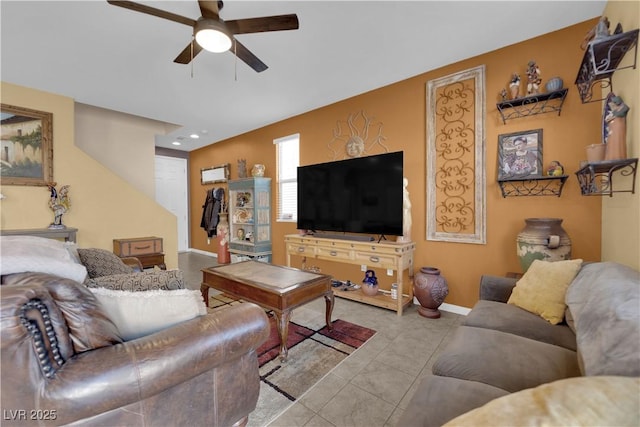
{"type": "Point", "coordinates": [123, 143]}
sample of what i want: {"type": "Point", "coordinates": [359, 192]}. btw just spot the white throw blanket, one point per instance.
{"type": "Point", "coordinates": [20, 254]}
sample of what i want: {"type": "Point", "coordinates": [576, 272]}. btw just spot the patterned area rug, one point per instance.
{"type": "Point", "coordinates": [313, 351]}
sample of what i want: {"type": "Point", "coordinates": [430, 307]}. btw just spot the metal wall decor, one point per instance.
{"type": "Point", "coordinates": [358, 136]}
{"type": "Point", "coordinates": [456, 207]}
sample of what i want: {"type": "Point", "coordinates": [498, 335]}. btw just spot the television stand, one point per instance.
{"type": "Point", "coordinates": [396, 256]}
{"type": "Point", "coordinates": [354, 238]}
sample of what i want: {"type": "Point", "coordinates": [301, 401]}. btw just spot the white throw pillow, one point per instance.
{"type": "Point", "coordinates": [137, 314]}
{"type": "Point", "coordinates": [21, 254]}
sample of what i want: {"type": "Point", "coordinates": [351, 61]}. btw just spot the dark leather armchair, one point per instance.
{"type": "Point", "coordinates": [64, 362]}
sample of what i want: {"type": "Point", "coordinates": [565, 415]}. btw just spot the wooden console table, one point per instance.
{"type": "Point", "coordinates": [391, 256]}
{"type": "Point", "coordinates": [68, 234]}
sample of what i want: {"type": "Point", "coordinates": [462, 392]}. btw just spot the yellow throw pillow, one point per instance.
{"type": "Point", "coordinates": [543, 287]}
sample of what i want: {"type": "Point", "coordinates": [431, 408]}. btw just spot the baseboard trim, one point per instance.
{"type": "Point", "coordinates": [201, 252]}
{"type": "Point", "coordinates": [457, 309]}
{"type": "Point", "coordinates": [451, 308]}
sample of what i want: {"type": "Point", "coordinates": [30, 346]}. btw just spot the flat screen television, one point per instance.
{"type": "Point", "coordinates": [360, 195]}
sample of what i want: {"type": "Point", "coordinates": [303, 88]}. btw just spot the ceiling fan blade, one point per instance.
{"type": "Point", "coordinates": [249, 58]}
{"type": "Point", "coordinates": [185, 56]}
{"type": "Point", "coordinates": [210, 8]}
{"type": "Point", "coordinates": [137, 7]}
{"type": "Point", "coordinates": [267, 23]}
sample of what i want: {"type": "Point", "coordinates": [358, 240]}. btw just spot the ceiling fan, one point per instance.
{"type": "Point", "coordinates": [213, 34]}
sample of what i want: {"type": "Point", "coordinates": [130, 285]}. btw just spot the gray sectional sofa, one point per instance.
{"type": "Point", "coordinates": [501, 349]}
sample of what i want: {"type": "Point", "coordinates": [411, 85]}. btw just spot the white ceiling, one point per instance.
{"type": "Point", "coordinates": [114, 58]}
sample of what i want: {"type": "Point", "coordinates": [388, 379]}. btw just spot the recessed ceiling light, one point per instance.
{"type": "Point", "coordinates": [176, 143]}
{"type": "Point", "coordinates": [194, 136]}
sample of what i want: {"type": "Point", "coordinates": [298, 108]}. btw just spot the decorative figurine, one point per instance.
{"type": "Point", "coordinates": [514, 86]}
{"type": "Point", "coordinates": [615, 128]}
{"type": "Point", "coordinates": [533, 78]}
{"type": "Point", "coordinates": [602, 28]}
{"type": "Point", "coordinates": [370, 278]}
{"type": "Point", "coordinates": [59, 203]}
{"type": "Point", "coordinates": [555, 169]}
{"type": "Point", "coordinates": [503, 95]}
{"type": "Point", "coordinates": [370, 283]}
{"type": "Point", "coordinates": [600, 31]}
{"type": "Point", "coordinates": [242, 168]}
{"type": "Point", "coordinates": [406, 213]}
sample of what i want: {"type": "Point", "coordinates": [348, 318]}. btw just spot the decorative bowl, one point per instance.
{"type": "Point", "coordinates": [554, 84]}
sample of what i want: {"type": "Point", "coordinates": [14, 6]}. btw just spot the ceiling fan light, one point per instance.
{"type": "Point", "coordinates": [211, 36]}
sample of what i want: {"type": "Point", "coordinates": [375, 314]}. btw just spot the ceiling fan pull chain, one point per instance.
{"type": "Point", "coordinates": [235, 61]}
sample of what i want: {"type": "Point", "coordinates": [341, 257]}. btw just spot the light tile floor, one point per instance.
{"type": "Point", "coordinates": [374, 385]}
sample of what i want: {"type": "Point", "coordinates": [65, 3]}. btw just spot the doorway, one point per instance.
{"type": "Point", "coordinates": [171, 193]}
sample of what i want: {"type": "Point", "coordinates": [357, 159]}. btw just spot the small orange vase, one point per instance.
{"type": "Point", "coordinates": [224, 257]}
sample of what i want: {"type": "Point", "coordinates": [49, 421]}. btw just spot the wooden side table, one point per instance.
{"type": "Point", "coordinates": [147, 249]}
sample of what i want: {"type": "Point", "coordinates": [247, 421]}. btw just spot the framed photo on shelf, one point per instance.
{"type": "Point", "coordinates": [27, 146]}
{"type": "Point", "coordinates": [520, 155]}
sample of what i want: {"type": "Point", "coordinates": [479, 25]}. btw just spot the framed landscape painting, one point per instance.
{"type": "Point", "coordinates": [26, 150]}
{"type": "Point", "coordinates": [520, 154]}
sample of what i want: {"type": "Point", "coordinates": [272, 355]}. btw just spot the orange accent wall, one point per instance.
{"type": "Point", "coordinates": [401, 107]}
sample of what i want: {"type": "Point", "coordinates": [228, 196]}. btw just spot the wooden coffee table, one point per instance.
{"type": "Point", "coordinates": [277, 288]}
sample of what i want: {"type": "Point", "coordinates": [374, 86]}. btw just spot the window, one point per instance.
{"type": "Point", "coordinates": [288, 160]}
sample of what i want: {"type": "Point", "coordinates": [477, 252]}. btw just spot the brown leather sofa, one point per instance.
{"type": "Point", "coordinates": [63, 362]}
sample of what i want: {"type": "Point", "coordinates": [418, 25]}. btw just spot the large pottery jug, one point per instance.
{"type": "Point", "coordinates": [430, 288]}
{"type": "Point", "coordinates": [543, 239]}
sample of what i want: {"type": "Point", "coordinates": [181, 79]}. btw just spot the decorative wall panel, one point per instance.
{"type": "Point", "coordinates": [456, 157]}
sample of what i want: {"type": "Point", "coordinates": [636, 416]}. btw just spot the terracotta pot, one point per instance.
{"type": "Point", "coordinates": [224, 257]}
{"type": "Point", "coordinates": [596, 152]}
{"type": "Point", "coordinates": [430, 288]}
{"type": "Point", "coordinates": [543, 239]}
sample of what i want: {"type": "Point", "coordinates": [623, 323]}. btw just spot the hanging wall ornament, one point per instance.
{"type": "Point", "coordinates": [358, 136]}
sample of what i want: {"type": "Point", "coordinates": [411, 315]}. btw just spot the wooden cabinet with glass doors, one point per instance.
{"type": "Point", "coordinates": [250, 219]}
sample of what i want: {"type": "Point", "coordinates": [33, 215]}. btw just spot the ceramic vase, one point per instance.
{"type": "Point", "coordinates": [554, 84]}
{"type": "Point", "coordinates": [257, 170]}
{"type": "Point", "coordinates": [369, 283]}
{"type": "Point", "coordinates": [430, 288]}
{"type": "Point", "coordinates": [543, 239]}
{"type": "Point", "coordinates": [224, 257]}
{"type": "Point", "coordinates": [368, 289]}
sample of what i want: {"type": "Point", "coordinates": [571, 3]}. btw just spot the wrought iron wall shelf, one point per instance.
{"type": "Point", "coordinates": [596, 178]}
{"type": "Point", "coordinates": [533, 186]}
{"type": "Point", "coordinates": [601, 58]}
{"type": "Point", "coordinates": [549, 102]}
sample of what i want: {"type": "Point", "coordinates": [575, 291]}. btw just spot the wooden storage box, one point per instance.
{"type": "Point", "coordinates": [137, 246]}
